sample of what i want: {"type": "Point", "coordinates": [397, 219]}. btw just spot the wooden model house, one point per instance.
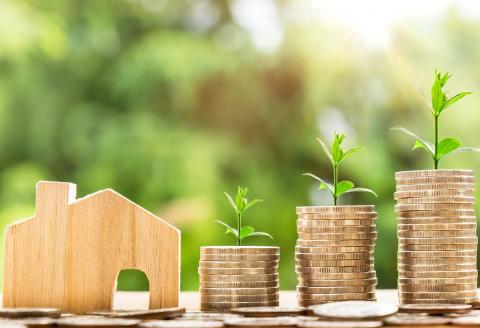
{"type": "Point", "coordinates": [69, 254]}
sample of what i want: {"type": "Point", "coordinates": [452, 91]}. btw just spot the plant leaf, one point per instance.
{"type": "Point", "coordinates": [467, 149]}
{"type": "Point", "coordinates": [343, 187]}
{"type": "Point", "coordinates": [454, 99]}
{"type": "Point", "coordinates": [229, 228]}
{"type": "Point", "coordinates": [350, 152]}
{"type": "Point", "coordinates": [446, 146]}
{"type": "Point", "coordinates": [325, 150]}
{"type": "Point", "coordinates": [251, 203]}
{"type": "Point", "coordinates": [337, 151]}
{"type": "Point", "coordinates": [245, 231]}
{"type": "Point", "coordinates": [419, 143]}
{"type": "Point", "coordinates": [362, 190]}
{"type": "Point", "coordinates": [259, 233]}
{"type": "Point", "coordinates": [437, 95]}
{"type": "Point", "coordinates": [230, 200]}
{"type": "Point", "coordinates": [323, 183]}
{"type": "Point", "coordinates": [240, 200]}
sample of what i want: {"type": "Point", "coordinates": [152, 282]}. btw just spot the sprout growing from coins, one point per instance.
{"type": "Point", "coordinates": [439, 102]}
{"type": "Point", "coordinates": [240, 205]}
{"type": "Point", "coordinates": [337, 155]}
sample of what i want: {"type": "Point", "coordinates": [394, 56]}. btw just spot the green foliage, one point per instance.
{"type": "Point", "coordinates": [240, 205]}
{"type": "Point", "coordinates": [337, 154]}
{"type": "Point", "coordinates": [440, 102]}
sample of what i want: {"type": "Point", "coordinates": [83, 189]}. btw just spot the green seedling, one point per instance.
{"type": "Point", "coordinates": [440, 102]}
{"type": "Point", "coordinates": [240, 205]}
{"type": "Point", "coordinates": [337, 155]}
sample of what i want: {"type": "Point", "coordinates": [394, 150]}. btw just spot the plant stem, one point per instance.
{"type": "Point", "coordinates": [239, 226]}
{"type": "Point", "coordinates": [435, 160]}
{"type": "Point", "coordinates": [335, 180]}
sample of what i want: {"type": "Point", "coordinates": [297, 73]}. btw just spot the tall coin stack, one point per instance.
{"type": "Point", "coordinates": [233, 277]}
{"type": "Point", "coordinates": [334, 254]}
{"type": "Point", "coordinates": [437, 236]}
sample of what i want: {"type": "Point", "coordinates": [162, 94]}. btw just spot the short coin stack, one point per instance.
{"type": "Point", "coordinates": [334, 254]}
{"type": "Point", "coordinates": [233, 277]}
{"type": "Point", "coordinates": [437, 236]}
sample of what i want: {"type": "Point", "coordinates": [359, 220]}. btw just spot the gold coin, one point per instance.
{"type": "Point", "coordinates": [262, 322]}
{"type": "Point", "coordinates": [439, 240]}
{"type": "Point", "coordinates": [437, 281]}
{"type": "Point", "coordinates": [436, 233]}
{"type": "Point", "coordinates": [350, 229]}
{"type": "Point", "coordinates": [436, 186]}
{"type": "Point", "coordinates": [157, 314]}
{"type": "Point", "coordinates": [237, 271]}
{"type": "Point", "coordinates": [345, 269]}
{"type": "Point", "coordinates": [435, 180]}
{"type": "Point", "coordinates": [355, 310]}
{"type": "Point", "coordinates": [239, 250]}
{"type": "Point", "coordinates": [182, 323]}
{"type": "Point", "coordinates": [443, 295]}
{"type": "Point", "coordinates": [437, 261]}
{"type": "Point", "coordinates": [239, 257]}
{"type": "Point", "coordinates": [438, 220]}
{"type": "Point", "coordinates": [239, 265]}
{"type": "Point", "coordinates": [436, 267]}
{"type": "Point", "coordinates": [337, 236]}
{"type": "Point", "coordinates": [336, 276]}
{"type": "Point", "coordinates": [433, 193]}
{"type": "Point", "coordinates": [333, 263]}
{"type": "Point", "coordinates": [436, 213]}
{"type": "Point", "coordinates": [438, 227]}
{"type": "Point", "coordinates": [238, 277]}
{"type": "Point", "coordinates": [433, 173]}
{"type": "Point", "coordinates": [258, 312]}
{"type": "Point", "coordinates": [339, 243]}
{"type": "Point", "coordinates": [335, 223]}
{"type": "Point", "coordinates": [438, 274]}
{"type": "Point", "coordinates": [337, 283]}
{"type": "Point", "coordinates": [91, 321]}
{"type": "Point", "coordinates": [340, 324]}
{"type": "Point", "coordinates": [445, 247]}
{"type": "Point", "coordinates": [238, 284]}
{"type": "Point", "coordinates": [334, 249]}
{"type": "Point", "coordinates": [270, 311]}
{"type": "Point", "coordinates": [333, 256]}
{"type": "Point", "coordinates": [338, 216]}
{"type": "Point", "coordinates": [437, 200]}
{"type": "Point", "coordinates": [335, 290]}
{"type": "Point", "coordinates": [437, 288]}
{"type": "Point", "coordinates": [29, 312]}
{"type": "Point", "coordinates": [311, 303]}
{"type": "Point", "coordinates": [336, 297]}
{"type": "Point", "coordinates": [429, 207]}
{"type": "Point", "coordinates": [437, 254]}
{"type": "Point", "coordinates": [466, 321]}
{"type": "Point", "coordinates": [435, 308]}
{"type": "Point", "coordinates": [210, 306]}
{"type": "Point", "coordinates": [238, 291]}
{"type": "Point", "coordinates": [335, 209]}
{"type": "Point", "coordinates": [239, 298]}
{"type": "Point", "coordinates": [416, 321]}
{"type": "Point", "coordinates": [404, 300]}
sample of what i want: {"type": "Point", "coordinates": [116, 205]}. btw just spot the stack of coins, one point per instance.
{"type": "Point", "coordinates": [233, 277]}
{"type": "Point", "coordinates": [334, 254]}
{"type": "Point", "coordinates": [437, 236]}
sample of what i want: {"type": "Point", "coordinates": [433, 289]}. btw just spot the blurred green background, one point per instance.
{"type": "Point", "coordinates": [171, 103]}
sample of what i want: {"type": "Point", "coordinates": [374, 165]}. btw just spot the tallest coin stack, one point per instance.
{"type": "Point", "coordinates": [437, 236]}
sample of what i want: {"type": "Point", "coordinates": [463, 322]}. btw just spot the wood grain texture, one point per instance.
{"type": "Point", "coordinates": [70, 253]}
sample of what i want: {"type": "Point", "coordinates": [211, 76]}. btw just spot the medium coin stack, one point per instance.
{"type": "Point", "coordinates": [437, 236]}
{"type": "Point", "coordinates": [334, 254]}
{"type": "Point", "coordinates": [233, 277]}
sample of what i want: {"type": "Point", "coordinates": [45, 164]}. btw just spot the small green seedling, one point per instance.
{"type": "Point", "coordinates": [240, 205]}
{"type": "Point", "coordinates": [440, 102]}
{"type": "Point", "coordinates": [336, 156]}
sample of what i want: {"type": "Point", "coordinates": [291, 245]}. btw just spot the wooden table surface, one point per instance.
{"type": "Point", "coordinates": [191, 300]}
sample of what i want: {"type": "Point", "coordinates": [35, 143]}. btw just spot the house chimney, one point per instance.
{"type": "Point", "coordinates": [52, 199]}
